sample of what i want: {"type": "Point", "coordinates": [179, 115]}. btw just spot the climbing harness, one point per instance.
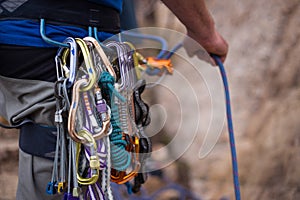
{"type": "Point", "coordinates": [100, 116]}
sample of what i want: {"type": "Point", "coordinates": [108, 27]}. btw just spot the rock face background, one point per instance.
{"type": "Point", "coordinates": [264, 74]}
{"type": "Point", "coordinates": [263, 68]}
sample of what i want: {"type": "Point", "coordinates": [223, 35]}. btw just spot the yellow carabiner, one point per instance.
{"type": "Point", "coordinates": [94, 160]}
{"type": "Point", "coordinates": [64, 56]}
{"type": "Point", "coordinates": [142, 64]}
{"type": "Point", "coordinates": [88, 63]}
{"type": "Point", "coordinates": [136, 58]}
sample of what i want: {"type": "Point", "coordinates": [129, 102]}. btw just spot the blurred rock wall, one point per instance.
{"type": "Point", "coordinates": [263, 67]}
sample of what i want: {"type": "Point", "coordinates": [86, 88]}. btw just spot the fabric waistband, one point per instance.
{"type": "Point", "coordinates": [68, 12]}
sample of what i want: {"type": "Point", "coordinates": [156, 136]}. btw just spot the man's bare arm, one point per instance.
{"type": "Point", "coordinates": [199, 24]}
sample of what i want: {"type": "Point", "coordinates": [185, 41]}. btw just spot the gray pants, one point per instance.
{"type": "Point", "coordinates": [34, 175]}
{"type": "Point", "coordinates": [32, 99]}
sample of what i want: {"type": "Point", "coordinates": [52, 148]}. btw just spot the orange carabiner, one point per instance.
{"type": "Point", "coordinates": [121, 177]}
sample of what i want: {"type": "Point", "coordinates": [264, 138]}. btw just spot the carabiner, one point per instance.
{"type": "Point", "coordinates": [59, 63]}
{"type": "Point", "coordinates": [73, 110]}
{"type": "Point", "coordinates": [136, 58]}
{"type": "Point", "coordinates": [121, 60]}
{"type": "Point", "coordinates": [88, 63]}
{"type": "Point", "coordinates": [71, 72]}
{"type": "Point", "coordinates": [103, 56]}
{"type": "Point", "coordinates": [121, 177]}
{"type": "Point", "coordinates": [94, 162]}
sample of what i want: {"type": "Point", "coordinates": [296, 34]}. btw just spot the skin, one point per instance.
{"type": "Point", "coordinates": [200, 25]}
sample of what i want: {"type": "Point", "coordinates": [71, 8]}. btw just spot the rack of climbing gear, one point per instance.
{"type": "Point", "coordinates": [100, 118]}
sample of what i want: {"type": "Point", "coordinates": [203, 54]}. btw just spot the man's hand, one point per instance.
{"type": "Point", "coordinates": [214, 44]}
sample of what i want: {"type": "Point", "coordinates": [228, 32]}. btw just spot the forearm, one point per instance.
{"type": "Point", "coordinates": [200, 26]}
{"type": "Point", "coordinates": [194, 15]}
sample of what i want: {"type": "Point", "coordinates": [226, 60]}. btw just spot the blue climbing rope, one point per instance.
{"type": "Point", "coordinates": [161, 40]}
{"type": "Point", "coordinates": [230, 129]}
{"type": "Point", "coordinates": [173, 50]}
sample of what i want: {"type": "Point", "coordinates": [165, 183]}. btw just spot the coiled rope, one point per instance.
{"type": "Point", "coordinates": [121, 159]}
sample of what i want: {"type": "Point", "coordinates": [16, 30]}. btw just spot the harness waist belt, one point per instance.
{"type": "Point", "coordinates": [38, 140]}
{"type": "Point", "coordinates": [81, 13]}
